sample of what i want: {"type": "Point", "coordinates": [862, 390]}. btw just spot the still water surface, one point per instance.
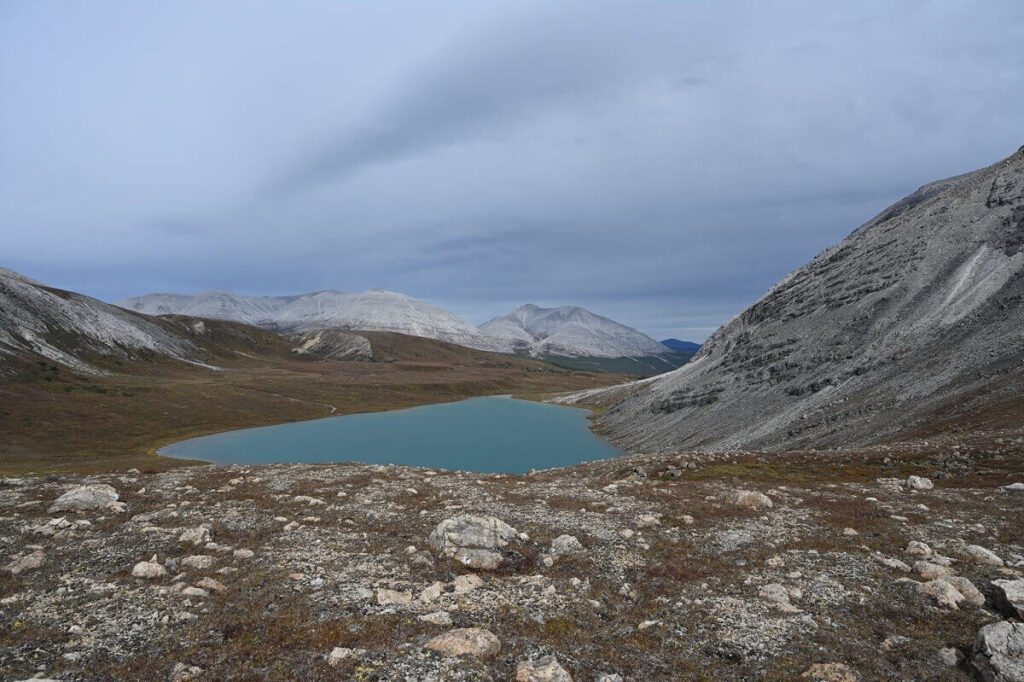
{"type": "Point", "coordinates": [494, 434]}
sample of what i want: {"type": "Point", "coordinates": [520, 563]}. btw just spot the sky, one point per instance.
{"type": "Point", "coordinates": [660, 163]}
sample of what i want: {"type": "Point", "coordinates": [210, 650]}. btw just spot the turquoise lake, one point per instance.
{"type": "Point", "coordinates": [486, 435]}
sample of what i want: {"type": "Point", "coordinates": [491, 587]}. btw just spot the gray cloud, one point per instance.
{"type": "Point", "coordinates": [661, 163]}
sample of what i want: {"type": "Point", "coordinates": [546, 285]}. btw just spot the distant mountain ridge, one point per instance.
{"type": "Point", "coordinates": [676, 344]}
{"type": "Point", "coordinates": [567, 332]}
{"type": "Point", "coordinates": [373, 310]}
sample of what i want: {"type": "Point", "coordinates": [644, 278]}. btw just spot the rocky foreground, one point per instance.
{"type": "Point", "coordinates": [891, 563]}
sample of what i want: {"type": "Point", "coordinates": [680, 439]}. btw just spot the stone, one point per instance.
{"type": "Point", "coordinates": [198, 562]}
{"type": "Point", "coordinates": [830, 672]}
{"type": "Point", "coordinates": [29, 562]}
{"type": "Point", "coordinates": [778, 595]}
{"type": "Point", "coordinates": [750, 499]}
{"type": "Point", "coordinates": [965, 587]}
{"type": "Point", "coordinates": [479, 559]}
{"type": "Point", "coordinates": [243, 554]}
{"type": "Point", "coordinates": [546, 669]}
{"type": "Point", "coordinates": [916, 548]}
{"type": "Point", "coordinates": [919, 483]}
{"type": "Point", "coordinates": [1008, 596]}
{"type": "Point", "coordinates": [982, 555]}
{"type": "Point", "coordinates": [998, 654]}
{"type": "Point", "coordinates": [86, 497]}
{"type": "Point", "coordinates": [950, 656]}
{"type": "Point", "coordinates": [565, 544]}
{"type": "Point", "coordinates": [432, 592]}
{"type": "Point", "coordinates": [195, 592]}
{"type": "Point", "coordinates": [148, 570]}
{"type": "Point", "coordinates": [478, 642]}
{"type": "Point", "coordinates": [943, 592]}
{"type": "Point", "coordinates": [467, 583]}
{"type": "Point", "coordinates": [199, 535]}
{"type": "Point", "coordinates": [930, 571]}
{"type": "Point", "coordinates": [473, 541]}
{"type": "Point", "coordinates": [393, 598]}
{"type": "Point", "coordinates": [212, 585]}
{"type": "Point", "coordinates": [338, 655]}
{"type": "Point", "coordinates": [437, 618]}
{"type": "Point", "coordinates": [647, 521]}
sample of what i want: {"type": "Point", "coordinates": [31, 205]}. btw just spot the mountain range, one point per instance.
{"type": "Point", "coordinates": [568, 332]}
{"type": "Point", "coordinates": [913, 321]}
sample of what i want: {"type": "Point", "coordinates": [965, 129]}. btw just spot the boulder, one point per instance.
{"type": "Point", "coordinates": [148, 570]}
{"type": "Point", "coordinates": [1008, 596]}
{"type": "Point", "coordinates": [29, 562]}
{"type": "Point", "coordinates": [919, 483]}
{"type": "Point", "coordinates": [467, 583]}
{"type": "Point", "coordinates": [546, 669]}
{"type": "Point", "coordinates": [86, 497]}
{"type": "Point", "coordinates": [478, 642]}
{"type": "Point", "coordinates": [473, 541]}
{"type": "Point", "coordinates": [982, 555]}
{"type": "Point", "coordinates": [198, 562]}
{"type": "Point", "coordinates": [565, 544]}
{"type": "Point", "coordinates": [929, 571]}
{"type": "Point", "coordinates": [393, 598]}
{"type": "Point", "coordinates": [751, 499]}
{"type": "Point", "coordinates": [943, 592]}
{"type": "Point", "coordinates": [998, 654]}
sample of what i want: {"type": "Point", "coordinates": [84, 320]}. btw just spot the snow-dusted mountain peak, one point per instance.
{"type": "Point", "coordinates": [570, 331]}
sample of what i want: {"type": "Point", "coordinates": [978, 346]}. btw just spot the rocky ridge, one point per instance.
{"type": "Point", "coordinates": [913, 321]}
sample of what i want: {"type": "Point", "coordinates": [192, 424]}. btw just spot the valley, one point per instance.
{"type": "Point", "coordinates": [53, 418]}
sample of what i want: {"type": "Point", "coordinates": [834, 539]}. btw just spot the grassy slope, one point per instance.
{"type": "Point", "coordinates": [54, 419]}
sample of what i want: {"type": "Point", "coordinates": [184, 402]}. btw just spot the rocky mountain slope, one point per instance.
{"type": "Point", "coordinates": [374, 310]}
{"type": "Point", "coordinates": [66, 327]}
{"type": "Point", "coordinates": [569, 331]}
{"type": "Point", "coordinates": [888, 564]}
{"type": "Point", "coordinates": [914, 319]}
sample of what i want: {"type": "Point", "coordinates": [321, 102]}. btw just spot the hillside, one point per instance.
{"type": "Point", "coordinates": [912, 322]}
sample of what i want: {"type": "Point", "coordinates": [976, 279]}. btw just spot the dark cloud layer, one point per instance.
{"type": "Point", "coordinates": [661, 163]}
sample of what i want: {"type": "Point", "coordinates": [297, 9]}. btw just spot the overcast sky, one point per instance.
{"type": "Point", "coordinates": [661, 163]}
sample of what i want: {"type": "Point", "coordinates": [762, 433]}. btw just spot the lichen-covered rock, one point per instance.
{"type": "Point", "coordinates": [148, 570]}
{"type": "Point", "coordinates": [87, 497]}
{"type": "Point", "coordinates": [565, 544]}
{"type": "Point", "coordinates": [999, 652]}
{"type": "Point", "coordinates": [25, 563]}
{"type": "Point", "coordinates": [473, 541]}
{"type": "Point", "coordinates": [477, 642]}
{"type": "Point", "coordinates": [1009, 596]}
{"type": "Point", "coordinates": [983, 555]}
{"type": "Point", "coordinates": [546, 669]}
{"type": "Point", "coordinates": [919, 483]}
{"type": "Point", "coordinates": [751, 499]}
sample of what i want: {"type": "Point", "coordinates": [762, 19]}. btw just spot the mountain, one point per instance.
{"type": "Point", "coordinates": [67, 328]}
{"type": "Point", "coordinates": [677, 345]}
{"type": "Point", "coordinates": [374, 310]}
{"type": "Point", "coordinates": [569, 331]}
{"type": "Point", "coordinates": [913, 321]}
